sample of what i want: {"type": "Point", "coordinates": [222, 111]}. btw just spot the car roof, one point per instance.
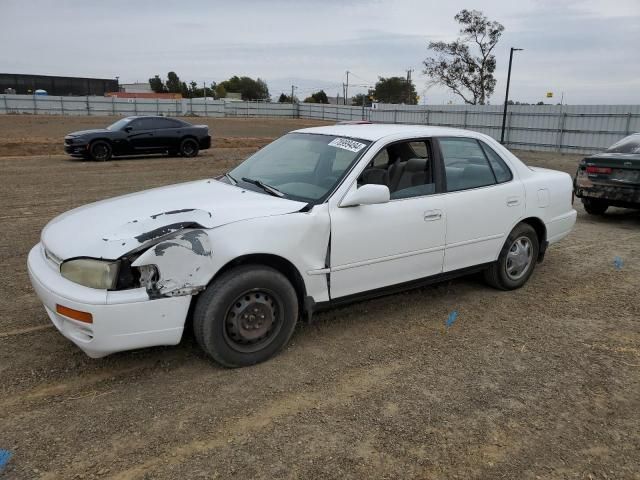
{"type": "Point", "coordinates": [377, 131]}
{"type": "Point", "coordinates": [136, 117]}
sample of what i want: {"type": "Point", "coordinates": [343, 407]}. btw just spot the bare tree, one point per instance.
{"type": "Point", "coordinates": [456, 67]}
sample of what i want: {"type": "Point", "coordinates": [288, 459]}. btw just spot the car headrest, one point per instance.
{"type": "Point", "coordinates": [377, 176]}
{"type": "Point", "coordinates": [416, 165]}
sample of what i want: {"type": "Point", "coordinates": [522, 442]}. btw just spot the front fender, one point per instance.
{"type": "Point", "coordinates": [184, 264]}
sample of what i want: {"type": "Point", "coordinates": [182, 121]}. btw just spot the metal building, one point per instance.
{"type": "Point", "coordinates": [28, 84]}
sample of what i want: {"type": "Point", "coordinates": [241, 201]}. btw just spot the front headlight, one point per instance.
{"type": "Point", "coordinates": [91, 273]}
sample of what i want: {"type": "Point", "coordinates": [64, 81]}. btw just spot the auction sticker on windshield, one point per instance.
{"type": "Point", "coordinates": [347, 144]}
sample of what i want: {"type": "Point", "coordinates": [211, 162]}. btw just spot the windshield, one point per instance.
{"type": "Point", "coordinates": [302, 166]}
{"type": "Point", "coordinates": [630, 144]}
{"type": "Point", "coordinates": [119, 125]}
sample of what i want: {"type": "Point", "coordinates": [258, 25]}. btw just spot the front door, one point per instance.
{"type": "Point", "coordinates": [141, 136]}
{"type": "Point", "coordinates": [376, 246]}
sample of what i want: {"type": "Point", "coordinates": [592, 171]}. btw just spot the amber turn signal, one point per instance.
{"type": "Point", "coordinates": [85, 317]}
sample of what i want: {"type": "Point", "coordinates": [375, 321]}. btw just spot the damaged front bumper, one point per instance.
{"type": "Point", "coordinates": [120, 320]}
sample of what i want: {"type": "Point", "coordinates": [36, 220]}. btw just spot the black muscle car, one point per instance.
{"type": "Point", "coordinates": [139, 135]}
{"type": "Point", "coordinates": [611, 178]}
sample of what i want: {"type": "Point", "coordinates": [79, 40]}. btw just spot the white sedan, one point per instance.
{"type": "Point", "coordinates": [319, 217]}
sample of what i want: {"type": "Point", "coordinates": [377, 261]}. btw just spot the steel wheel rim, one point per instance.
{"type": "Point", "coordinates": [188, 148]}
{"type": "Point", "coordinates": [519, 258]}
{"type": "Point", "coordinates": [253, 320]}
{"type": "Point", "coordinates": [100, 151]}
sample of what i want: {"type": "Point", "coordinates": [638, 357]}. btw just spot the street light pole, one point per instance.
{"type": "Point", "coordinates": [506, 97]}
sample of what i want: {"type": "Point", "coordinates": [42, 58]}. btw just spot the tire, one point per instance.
{"type": "Point", "coordinates": [100, 151]}
{"type": "Point", "coordinates": [189, 147]}
{"type": "Point", "coordinates": [594, 207]}
{"type": "Point", "coordinates": [517, 259]}
{"type": "Point", "coordinates": [227, 317]}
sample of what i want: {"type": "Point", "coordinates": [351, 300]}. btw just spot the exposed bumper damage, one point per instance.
{"type": "Point", "coordinates": [622, 195]}
{"type": "Point", "coordinates": [180, 265]}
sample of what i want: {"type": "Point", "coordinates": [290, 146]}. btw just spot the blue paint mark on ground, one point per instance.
{"type": "Point", "coordinates": [452, 318]}
{"type": "Point", "coordinates": [618, 263]}
{"type": "Point", "coordinates": [5, 456]}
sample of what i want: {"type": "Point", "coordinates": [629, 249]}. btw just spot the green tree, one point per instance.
{"type": "Point", "coordinates": [157, 85]}
{"type": "Point", "coordinates": [367, 98]}
{"type": "Point", "coordinates": [317, 97]}
{"type": "Point", "coordinates": [247, 87]}
{"type": "Point", "coordinates": [221, 92]}
{"type": "Point", "coordinates": [395, 90]}
{"type": "Point", "coordinates": [454, 66]}
{"type": "Point", "coordinates": [174, 85]}
{"type": "Point", "coordinates": [185, 91]}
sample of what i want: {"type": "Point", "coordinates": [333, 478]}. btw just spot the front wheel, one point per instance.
{"type": "Point", "coordinates": [246, 316]}
{"type": "Point", "coordinates": [517, 259]}
{"type": "Point", "coordinates": [100, 151]}
{"type": "Point", "coordinates": [189, 147]}
{"type": "Point", "coordinates": [594, 207]}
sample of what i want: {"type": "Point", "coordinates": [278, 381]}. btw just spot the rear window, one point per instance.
{"type": "Point", "coordinates": [630, 144]}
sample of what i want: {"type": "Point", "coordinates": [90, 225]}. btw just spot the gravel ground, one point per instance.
{"type": "Point", "coordinates": [542, 382]}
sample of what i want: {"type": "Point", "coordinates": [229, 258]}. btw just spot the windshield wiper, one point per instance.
{"type": "Point", "coordinates": [232, 180]}
{"type": "Point", "coordinates": [267, 188]}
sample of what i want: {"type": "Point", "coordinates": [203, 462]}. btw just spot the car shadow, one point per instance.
{"type": "Point", "coordinates": [125, 157]}
{"type": "Point", "coordinates": [614, 216]}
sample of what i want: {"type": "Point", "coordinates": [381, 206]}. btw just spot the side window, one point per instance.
{"type": "Point", "coordinates": [405, 167]}
{"type": "Point", "coordinates": [142, 124]}
{"type": "Point", "coordinates": [161, 123]}
{"type": "Point", "coordinates": [465, 163]}
{"type": "Point", "coordinates": [500, 169]}
{"type": "Point", "coordinates": [419, 149]}
{"type": "Point", "coordinates": [381, 160]}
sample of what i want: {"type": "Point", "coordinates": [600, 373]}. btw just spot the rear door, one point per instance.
{"type": "Point", "coordinates": [483, 202]}
{"type": "Point", "coordinates": [166, 133]}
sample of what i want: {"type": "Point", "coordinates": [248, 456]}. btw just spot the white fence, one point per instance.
{"type": "Point", "coordinates": [569, 129]}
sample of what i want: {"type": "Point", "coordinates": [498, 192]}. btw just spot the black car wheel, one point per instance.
{"type": "Point", "coordinates": [189, 147]}
{"type": "Point", "coordinates": [517, 259]}
{"type": "Point", "coordinates": [246, 316]}
{"type": "Point", "coordinates": [594, 207]}
{"type": "Point", "coordinates": [100, 151]}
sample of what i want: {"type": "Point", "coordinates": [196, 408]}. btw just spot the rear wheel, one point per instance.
{"type": "Point", "coordinates": [246, 316]}
{"type": "Point", "coordinates": [189, 147]}
{"type": "Point", "coordinates": [100, 151]}
{"type": "Point", "coordinates": [517, 259]}
{"type": "Point", "coordinates": [594, 207]}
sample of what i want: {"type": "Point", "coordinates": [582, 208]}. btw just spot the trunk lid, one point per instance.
{"type": "Point", "coordinates": [618, 169]}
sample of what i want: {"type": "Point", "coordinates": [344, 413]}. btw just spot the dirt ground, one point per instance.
{"type": "Point", "coordinates": [22, 135]}
{"type": "Point", "coordinates": [542, 382]}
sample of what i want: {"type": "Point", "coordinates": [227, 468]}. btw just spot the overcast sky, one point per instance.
{"type": "Point", "coordinates": [588, 49]}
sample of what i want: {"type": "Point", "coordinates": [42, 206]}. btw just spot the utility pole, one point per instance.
{"type": "Point", "coordinates": [293, 87]}
{"type": "Point", "coordinates": [408, 99]}
{"type": "Point", "coordinates": [346, 90]}
{"type": "Point", "coordinates": [506, 97]}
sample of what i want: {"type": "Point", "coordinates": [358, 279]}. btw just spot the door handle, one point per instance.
{"type": "Point", "coordinates": [513, 201]}
{"type": "Point", "coordinates": [431, 215]}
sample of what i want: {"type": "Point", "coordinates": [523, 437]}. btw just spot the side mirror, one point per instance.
{"type": "Point", "coordinates": [369, 194]}
{"type": "Point", "coordinates": [128, 129]}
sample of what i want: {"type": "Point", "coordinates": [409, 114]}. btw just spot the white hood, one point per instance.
{"type": "Point", "coordinates": [110, 228]}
